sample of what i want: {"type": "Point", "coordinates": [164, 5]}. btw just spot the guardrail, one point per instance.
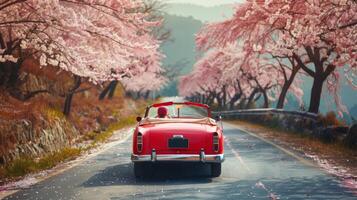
{"type": "Point", "coordinates": [267, 111]}
{"type": "Point", "coordinates": [296, 121]}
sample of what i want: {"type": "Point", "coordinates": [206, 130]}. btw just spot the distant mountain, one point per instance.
{"type": "Point", "coordinates": [180, 50]}
{"type": "Point", "coordinates": [184, 21]}
{"type": "Point", "coordinates": [202, 13]}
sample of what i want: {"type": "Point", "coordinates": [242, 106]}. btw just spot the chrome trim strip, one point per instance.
{"type": "Point", "coordinates": [216, 158]}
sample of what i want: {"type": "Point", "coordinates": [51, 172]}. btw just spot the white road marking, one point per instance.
{"type": "Point", "coordinates": [290, 153]}
{"type": "Point", "coordinates": [236, 154]}
{"type": "Point", "coordinates": [347, 181]}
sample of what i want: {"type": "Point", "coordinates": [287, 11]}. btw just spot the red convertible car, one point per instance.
{"type": "Point", "coordinates": [177, 132]}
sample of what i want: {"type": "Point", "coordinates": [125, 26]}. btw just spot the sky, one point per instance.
{"type": "Point", "coordinates": [204, 2]}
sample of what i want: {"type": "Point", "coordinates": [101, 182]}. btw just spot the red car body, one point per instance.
{"type": "Point", "coordinates": [177, 139]}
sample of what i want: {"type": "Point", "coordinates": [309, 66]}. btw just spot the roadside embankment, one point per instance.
{"type": "Point", "coordinates": [335, 158]}
{"type": "Point", "coordinates": [36, 135]}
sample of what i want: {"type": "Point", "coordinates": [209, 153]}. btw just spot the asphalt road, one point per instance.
{"type": "Point", "coordinates": [253, 169]}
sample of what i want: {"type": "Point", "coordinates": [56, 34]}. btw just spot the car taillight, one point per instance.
{"type": "Point", "coordinates": [215, 142]}
{"type": "Point", "coordinates": [140, 142]}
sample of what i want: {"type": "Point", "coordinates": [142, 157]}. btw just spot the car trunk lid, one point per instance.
{"type": "Point", "coordinates": [198, 137]}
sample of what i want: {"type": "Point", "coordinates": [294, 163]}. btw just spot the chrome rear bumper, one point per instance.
{"type": "Point", "coordinates": [216, 158]}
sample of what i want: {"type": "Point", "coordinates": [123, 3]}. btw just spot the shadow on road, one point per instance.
{"type": "Point", "coordinates": [317, 188]}
{"type": "Point", "coordinates": [168, 174]}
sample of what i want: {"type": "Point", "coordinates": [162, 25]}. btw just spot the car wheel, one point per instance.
{"type": "Point", "coordinates": [216, 169]}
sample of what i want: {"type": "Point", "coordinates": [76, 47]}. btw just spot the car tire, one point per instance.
{"type": "Point", "coordinates": [216, 169]}
{"type": "Point", "coordinates": [141, 170]}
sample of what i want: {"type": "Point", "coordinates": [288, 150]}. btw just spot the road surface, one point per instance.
{"type": "Point", "coordinates": [253, 169]}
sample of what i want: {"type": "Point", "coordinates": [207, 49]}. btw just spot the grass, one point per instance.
{"type": "Point", "coordinates": [303, 139]}
{"type": "Point", "coordinates": [105, 135]}
{"type": "Point", "coordinates": [53, 113]}
{"type": "Point", "coordinates": [26, 165]}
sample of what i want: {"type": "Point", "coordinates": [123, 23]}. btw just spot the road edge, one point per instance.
{"type": "Point", "coordinates": [63, 167]}
{"type": "Point", "coordinates": [305, 161]}
{"type": "Point", "coordinates": [346, 180]}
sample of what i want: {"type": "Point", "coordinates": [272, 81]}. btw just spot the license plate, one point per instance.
{"type": "Point", "coordinates": [178, 143]}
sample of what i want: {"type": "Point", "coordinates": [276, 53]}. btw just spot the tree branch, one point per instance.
{"type": "Point", "coordinates": [303, 66]}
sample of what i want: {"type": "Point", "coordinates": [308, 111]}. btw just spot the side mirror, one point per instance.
{"type": "Point", "coordinates": [138, 119]}
{"type": "Point", "coordinates": [218, 118]}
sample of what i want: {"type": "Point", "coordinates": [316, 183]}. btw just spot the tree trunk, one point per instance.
{"type": "Point", "coordinates": [224, 98]}
{"type": "Point", "coordinates": [147, 94]}
{"type": "Point", "coordinates": [4, 72]}
{"type": "Point", "coordinates": [68, 104]}
{"type": "Point", "coordinates": [219, 101]}
{"type": "Point", "coordinates": [282, 96]}
{"type": "Point", "coordinates": [69, 95]}
{"type": "Point", "coordinates": [109, 90]}
{"type": "Point", "coordinates": [9, 73]}
{"type": "Point", "coordinates": [199, 98]}
{"type": "Point", "coordinates": [112, 89]}
{"type": "Point", "coordinates": [14, 74]}
{"type": "Point", "coordinates": [316, 92]}
{"type": "Point", "coordinates": [266, 99]}
{"type": "Point", "coordinates": [284, 90]}
{"type": "Point", "coordinates": [251, 98]}
{"type": "Point", "coordinates": [234, 99]}
{"type": "Point", "coordinates": [138, 95]}
{"type": "Point", "coordinates": [210, 99]}
{"type": "Point", "coordinates": [203, 99]}
{"type": "Point", "coordinates": [104, 92]}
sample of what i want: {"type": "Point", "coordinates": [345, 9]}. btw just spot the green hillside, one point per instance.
{"type": "Point", "coordinates": [202, 13]}
{"type": "Point", "coordinates": [180, 50]}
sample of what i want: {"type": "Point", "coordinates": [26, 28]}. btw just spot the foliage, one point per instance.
{"type": "Point", "coordinates": [226, 74]}
{"type": "Point", "coordinates": [304, 142]}
{"type": "Point", "coordinates": [53, 113]}
{"type": "Point", "coordinates": [317, 37]}
{"type": "Point", "coordinates": [330, 119]}
{"type": "Point", "coordinates": [25, 165]}
{"type": "Point", "coordinates": [20, 167]}
{"type": "Point", "coordinates": [100, 137]}
{"type": "Point", "coordinates": [92, 41]}
{"type": "Point", "coordinates": [44, 110]}
{"type": "Point", "coordinates": [55, 158]}
{"type": "Point", "coordinates": [115, 33]}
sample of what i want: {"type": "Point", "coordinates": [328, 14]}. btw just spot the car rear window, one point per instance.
{"type": "Point", "coordinates": [180, 111]}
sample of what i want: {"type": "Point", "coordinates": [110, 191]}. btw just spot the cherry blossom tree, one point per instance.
{"type": "Point", "coordinates": [151, 79]}
{"type": "Point", "coordinates": [74, 34]}
{"type": "Point", "coordinates": [161, 34]}
{"type": "Point", "coordinates": [317, 36]}
{"type": "Point", "coordinates": [206, 81]}
{"type": "Point", "coordinates": [230, 74]}
{"type": "Point", "coordinates": [96, 40]}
